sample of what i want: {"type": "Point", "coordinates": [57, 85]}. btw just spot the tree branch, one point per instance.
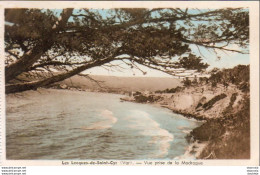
{"type": "Point", "coordinates": [30, 57]}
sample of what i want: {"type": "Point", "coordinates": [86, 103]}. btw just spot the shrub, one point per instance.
{"type": "Point", "coordinates": [238, 76]}
{"type": "Point", "coordinates": [144, 99]}
{"type": "Point", "coordinates": [187, 82]}
{"type": "Point", "coordinates": [172, 90]}
{"type": "Point", "coordinates": [211, 102]}
{"type": "Point", "coordinates": [212, 129]}
{"type": "Point", "coordinates": [233, 145]}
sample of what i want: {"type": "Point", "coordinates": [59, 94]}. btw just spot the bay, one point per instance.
{"type": "Point", "coordinates": [60, 124]}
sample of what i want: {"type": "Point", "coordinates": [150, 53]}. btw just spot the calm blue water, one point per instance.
{"type": "Point", "coordinates": [61, 124]}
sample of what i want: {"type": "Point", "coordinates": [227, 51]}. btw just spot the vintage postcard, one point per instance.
{"type": "Point", "coordinates": [129, 83]}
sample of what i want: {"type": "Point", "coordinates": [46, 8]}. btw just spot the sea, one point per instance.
{"type": "Point", "coordinates": [52, 124]}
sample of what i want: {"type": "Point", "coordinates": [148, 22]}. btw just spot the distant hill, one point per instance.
{"type": "Point", "coordinates": [122, 83]}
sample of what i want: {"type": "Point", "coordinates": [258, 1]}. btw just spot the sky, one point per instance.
{"type": "Point", "coordinates": [227, 60]}
{"type": "Point", "coordinates": [218, 59]}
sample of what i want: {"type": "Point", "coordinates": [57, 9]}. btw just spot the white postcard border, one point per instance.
{"type": "Point", "coordinates": [254, 69]}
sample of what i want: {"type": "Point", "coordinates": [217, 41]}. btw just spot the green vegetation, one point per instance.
{"type": "Point", "coordinates": [229, 137]}
{"type": "Point", "coordinates": [186, 82]}
{"type": "Point", "coordinates": [201, 102]}
{"type": "Point", "coordinates": [66, 44]}
{"type": "Point", "coordinates": [146, 99]}
{"type": "Point", "coordinates": [229, 107]}
{"type": "Point", "coordinates": [211, 102]}
{"type": "Point", "coordinates": [210, 130]}
{"type": "Point", "coordinates": [238, 76]}
{"type": "Point", "coordinates": [172, 90]}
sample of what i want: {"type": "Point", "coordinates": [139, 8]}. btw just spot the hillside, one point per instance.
{"type": "Point", "coordinates": [124, 84]}
{"type": "Point", "coordinates": [223, 102]}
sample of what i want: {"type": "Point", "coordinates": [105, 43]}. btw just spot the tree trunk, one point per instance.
{"type": "Point", "coordinates": [12, 88]}
{"type": "Point", "coordinates": [30, 57]}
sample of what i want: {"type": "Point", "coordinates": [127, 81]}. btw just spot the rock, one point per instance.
{"type": "Point", "coordinates": [63, 86]}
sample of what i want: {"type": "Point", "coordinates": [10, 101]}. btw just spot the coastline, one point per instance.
{"type": "Point", "coordinates": [187, 115]}
{"type": "Point", "coordinates": [44, 91]}
{"type": "Point", "coordinates": [210, 107]}
{"type": "Point", "coordinates": [203, 139]}
{"type": "Point", "coordinates": [195, 147]}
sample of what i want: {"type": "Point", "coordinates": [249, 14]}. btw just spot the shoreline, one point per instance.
{"type": "Point", "coordinates": [202, 139]}
{"type": "Point", "coordinates": [190, 149]}
{"type": "Point", "coordinates": [211, 106]}
{"type": "Point", "coordinates": [193, 151]}
{"type": "Point", "coordinates": [195, 147]}
{"type": "Point", "coordinates": [187, 115]}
